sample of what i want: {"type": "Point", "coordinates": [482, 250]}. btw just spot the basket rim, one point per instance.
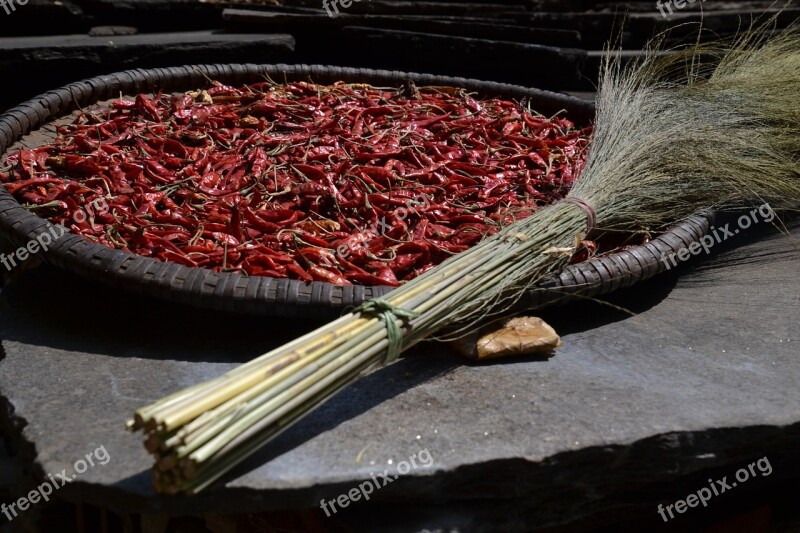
{"type": "Point", "coordinates": [233, 291]}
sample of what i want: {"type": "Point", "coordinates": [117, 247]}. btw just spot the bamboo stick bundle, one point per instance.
{"type": "Point", "coordinates": [672, 135]}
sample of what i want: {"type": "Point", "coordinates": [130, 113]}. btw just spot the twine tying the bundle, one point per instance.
{"type": "Point", "coordinates": [586, 207]}
{"type": "Point", "coordinates": [389, 314]}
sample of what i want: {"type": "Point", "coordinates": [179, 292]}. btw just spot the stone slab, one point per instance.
{"type": "Point", "coordinates": [702, 379]}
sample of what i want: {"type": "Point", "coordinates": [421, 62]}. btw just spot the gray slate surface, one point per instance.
{"type": "Point", "coordinates": [704, 377]}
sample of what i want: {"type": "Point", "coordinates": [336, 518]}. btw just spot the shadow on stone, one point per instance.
{"type": "Point", "coordinates": [578, 316]}
{"type": "Point", "coordinates": [48, 307]}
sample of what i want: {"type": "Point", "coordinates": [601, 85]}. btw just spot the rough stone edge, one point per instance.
{"type": "Point", "coordinates": [448, 487]}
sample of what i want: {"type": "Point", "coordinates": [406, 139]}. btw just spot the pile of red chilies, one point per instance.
{"type": "Point", "coordinates": [348, 184]}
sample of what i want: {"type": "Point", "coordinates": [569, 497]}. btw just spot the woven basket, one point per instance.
{"type": "Point", "coordinates": [268, 296]}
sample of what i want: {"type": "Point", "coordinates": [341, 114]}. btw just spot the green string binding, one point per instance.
{"type": "Point", "coordinates": [378, 307]}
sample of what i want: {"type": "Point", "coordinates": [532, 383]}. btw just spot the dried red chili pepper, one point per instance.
{"type": "Point", "coordinates": [342, 183]}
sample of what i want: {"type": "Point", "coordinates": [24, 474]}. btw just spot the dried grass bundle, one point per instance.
{"type": "Point", "coordinates": [673, 135]}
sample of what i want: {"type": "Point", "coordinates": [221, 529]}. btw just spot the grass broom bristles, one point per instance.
{"type": "Point", "coordinates": [665, 145]}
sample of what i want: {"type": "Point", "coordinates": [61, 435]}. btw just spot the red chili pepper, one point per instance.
{"type": "Point", "coordinates": [85, 166]}
{"type": "Point", "coordinates": [311, 239]}
{"type": "Point", "coordinates": [298, 272]}
{"type": "Point", "coordinates": [322, 274]}
{"type": "Point", "coordinates": [147, 107]}
{"type": "Point", "coordinates": [310, 171]}
{"type": "Point", "coordinates": [405, 261]}
{"type": "Point", "coordinates": [387, 276]}
{"type": "Point", "coordinates": [15, 186]}
{"type": "Point", "coordinates": [259, 223]}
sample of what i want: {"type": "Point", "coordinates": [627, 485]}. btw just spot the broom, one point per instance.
{"type": "Point", "coordinates": [672, 136]}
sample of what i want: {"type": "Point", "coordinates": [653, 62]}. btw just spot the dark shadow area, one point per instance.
{"type": "Point", "coordinates": [41, 64]}
{"type": "Point", "coordinates": [53, 308]}
{"type": "Point", "coordinates": [658, 470]}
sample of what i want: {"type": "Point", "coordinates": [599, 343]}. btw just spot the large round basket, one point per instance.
{"type": "Point", "coordinates": [33, 123]}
